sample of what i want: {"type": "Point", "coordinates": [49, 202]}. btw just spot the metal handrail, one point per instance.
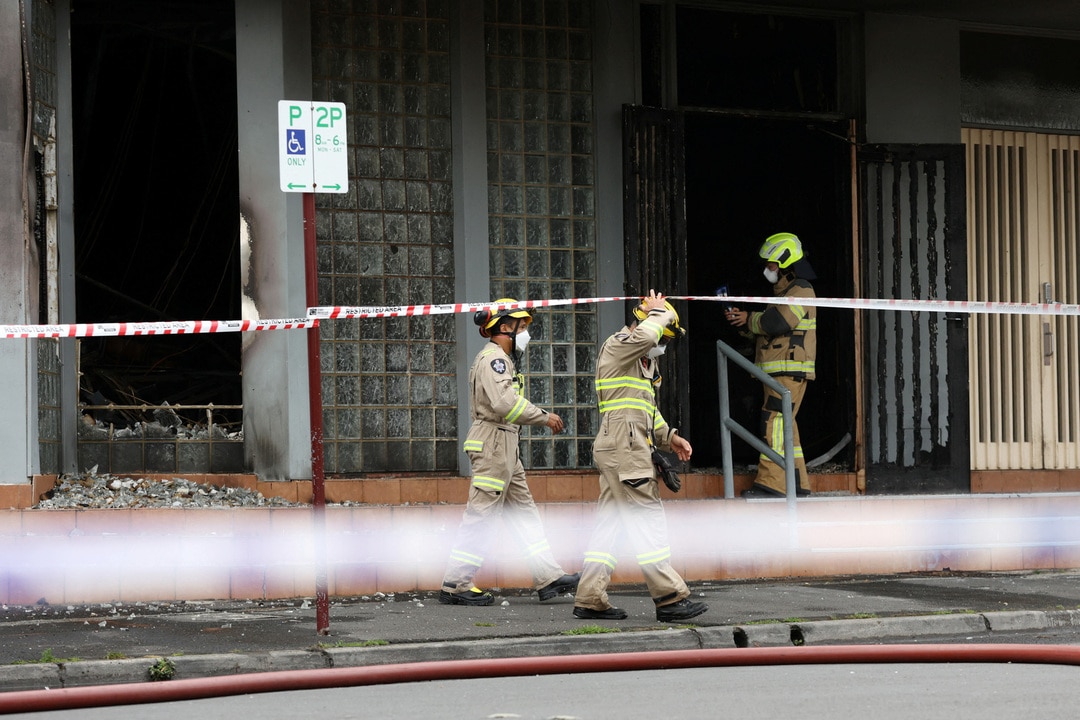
{"type": "Point", "coordinates": [725, 352]}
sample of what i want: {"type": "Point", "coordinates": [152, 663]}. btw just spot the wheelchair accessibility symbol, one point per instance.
{"type": "Point", "coordinates": [295, 144]}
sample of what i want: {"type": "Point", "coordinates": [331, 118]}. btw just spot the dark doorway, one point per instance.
{"type": "Point", "coordinates": [747, 178]}
{"type": "Point", "coordinates": [156, 205]}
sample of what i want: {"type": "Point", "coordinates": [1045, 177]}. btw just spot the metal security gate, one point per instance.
{"type": "Point", "coordinates": [916, 362]}
{"type": "Point", "coordinates": [1023, 211]}
{"type": "Point", "coordinates": [654, 228]}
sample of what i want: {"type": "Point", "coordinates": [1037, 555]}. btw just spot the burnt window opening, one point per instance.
{"type": "Point", "coordinates": [1019, 82]}
{"type": "Point", "coordinates": [756, 62]}
{"type": "Point", "coordinates": [156, 200]}
{"type": "Point", "coordinates": [652, 55]}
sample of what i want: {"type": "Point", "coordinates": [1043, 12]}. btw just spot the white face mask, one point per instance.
{"type": "Point", "coordinates": [771, 275]}
{"type": "Point", "coordinates": [521, 340]}
{"type": "Point", "coordinates": [657, 351]}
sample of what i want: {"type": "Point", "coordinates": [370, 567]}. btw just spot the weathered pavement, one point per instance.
{"type": "Point", "coordinates": [119, 643]}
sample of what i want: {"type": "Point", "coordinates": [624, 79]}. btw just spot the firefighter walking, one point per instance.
{"type": "Point", "coordinates": [630, 427]}
{"type": "Point", "coordinates": [498, 488]}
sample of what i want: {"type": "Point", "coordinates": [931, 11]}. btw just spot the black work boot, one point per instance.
{"type": "Point", "coordinates": [611, 613]}
{"type": "Point", "coordinates": [475, 596]}
{"type": "Point", "coordinates": [565, 584]}
{"type": "Point", "coordinates": [682, 610]}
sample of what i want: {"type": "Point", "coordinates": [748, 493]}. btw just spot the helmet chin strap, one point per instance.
{"type": "Point", "coordinates": [515, 355]}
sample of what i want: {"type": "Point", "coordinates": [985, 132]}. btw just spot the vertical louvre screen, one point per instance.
{"type": "Point", "coordinates": [1004, 402]}
{"type": "Point", "coordinates": [1022, 240]}
{"type": "Point", "coordinates": [908, 382]}
{"type": "Point", "coordinates": [1064, 245]}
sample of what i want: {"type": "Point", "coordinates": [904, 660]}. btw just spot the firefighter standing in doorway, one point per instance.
{"type": "Point", "coordinates": [498, 409]}
{"type": "Point", "coordinates": [630, 427]}
{"type": "Point", "coordinates": [785, 340]}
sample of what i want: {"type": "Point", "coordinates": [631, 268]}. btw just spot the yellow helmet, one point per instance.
{"type": "Point", "coordinates": [673, 329]}
{"type": "Point", "coordinates": [782, 249]}
{"type": "Point", "coordinates": [489, 318]}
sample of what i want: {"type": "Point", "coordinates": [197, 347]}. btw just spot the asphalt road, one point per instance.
{"type": "Point", "coordinates": [809, 692]}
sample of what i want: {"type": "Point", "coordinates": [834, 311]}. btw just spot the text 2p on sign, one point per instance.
{"type": "Point", "coordinates": [313, 146]}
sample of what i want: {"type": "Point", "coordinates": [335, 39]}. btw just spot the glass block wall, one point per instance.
{"type": "Point", "coordinates": [389, 386]}
{"type": "Point", "coordinates": [542, 224]}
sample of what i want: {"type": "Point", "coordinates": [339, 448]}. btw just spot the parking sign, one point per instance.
{"type": "Point", "coordinates": [313, 146]}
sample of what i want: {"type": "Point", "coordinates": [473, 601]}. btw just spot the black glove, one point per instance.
{"type": "Point", "coordinates": [666, 471]}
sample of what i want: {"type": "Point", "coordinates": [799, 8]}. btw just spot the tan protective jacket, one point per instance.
{"type": "Point", "coordinates": [496, 407]}
{"type": "Point", "coordinates": [785, 336]}
{"type": "Point", "coordinates": [627, 397]}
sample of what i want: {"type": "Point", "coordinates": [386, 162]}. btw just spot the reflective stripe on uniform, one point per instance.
{"type": "Point", "coordinates": [626, 403]}
{"type": "Point", "coordinates": [593, 556]}
{"type": "Point", "coordinates": [519, 407]}
{"type": "Point", "coordinates": [536, 548]}
{"type": "Point", "coordinates": [489, 483]}
{"type": "Point", "coordinates": [653, 326]}
{"type": "Point", "coordinates": [776, 438]}
{"type": "Point", "coordinates": [624, 381]}
{"type": "Point", "coordinates": [466, 557]}
{"type": "Point", "coordinates": [777, 367]}
{"type": "Point", "coordinates": [655, 556]}
{"type": "Point", "coordinates": [473, 446]}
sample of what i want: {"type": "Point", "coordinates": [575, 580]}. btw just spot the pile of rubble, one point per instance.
{"type": "Point", "coordinates": [91, 490]}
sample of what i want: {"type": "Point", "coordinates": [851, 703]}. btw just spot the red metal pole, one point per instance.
{"type": "Point", "coordinates": [318, 486]}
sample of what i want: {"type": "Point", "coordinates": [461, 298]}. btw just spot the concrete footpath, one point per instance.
{"type": "Point", "coordinates": [67, 646]}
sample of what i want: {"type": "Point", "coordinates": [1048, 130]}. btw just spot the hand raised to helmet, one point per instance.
{"type": "Point", "coordinates": [652, 301]}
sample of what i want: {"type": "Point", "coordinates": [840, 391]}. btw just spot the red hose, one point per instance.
{"type": "Point", "coordinates": [196, 688]}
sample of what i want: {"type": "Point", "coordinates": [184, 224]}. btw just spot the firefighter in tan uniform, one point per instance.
{"type": "Point", "coordinates": [785, 342]}
{"type": "Point", "coordinates": [630, 427]}
{"type": "Point", "coordinates": [498, 488]}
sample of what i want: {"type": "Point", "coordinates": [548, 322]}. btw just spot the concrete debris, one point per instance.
{"type": "Point", "coordinates": [167, 425]}
{"type": "Point", "coordinates": [91, 490]}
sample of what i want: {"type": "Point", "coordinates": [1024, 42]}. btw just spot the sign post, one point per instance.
{"type": "Point", "coordinates": [313, 157]}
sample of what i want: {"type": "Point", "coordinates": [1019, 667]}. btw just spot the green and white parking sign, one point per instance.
{"type": "Point", "coordinates": [313, 146]}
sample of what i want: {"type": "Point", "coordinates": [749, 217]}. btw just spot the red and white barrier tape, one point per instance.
{"type": "Point", "coordinates": [945, 306]}
{"type": "Point", "coordinates": [391, 311]}
{"type": "Point", "coordinates": [190, 327]}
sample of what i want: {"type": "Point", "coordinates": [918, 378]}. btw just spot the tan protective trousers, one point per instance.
{"type": "Point", "coordinates": [476, 534]}
{"type": "Point", "coordinates": [769, 473]}
{"type": "Point", "coordinates": [639, 513]}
